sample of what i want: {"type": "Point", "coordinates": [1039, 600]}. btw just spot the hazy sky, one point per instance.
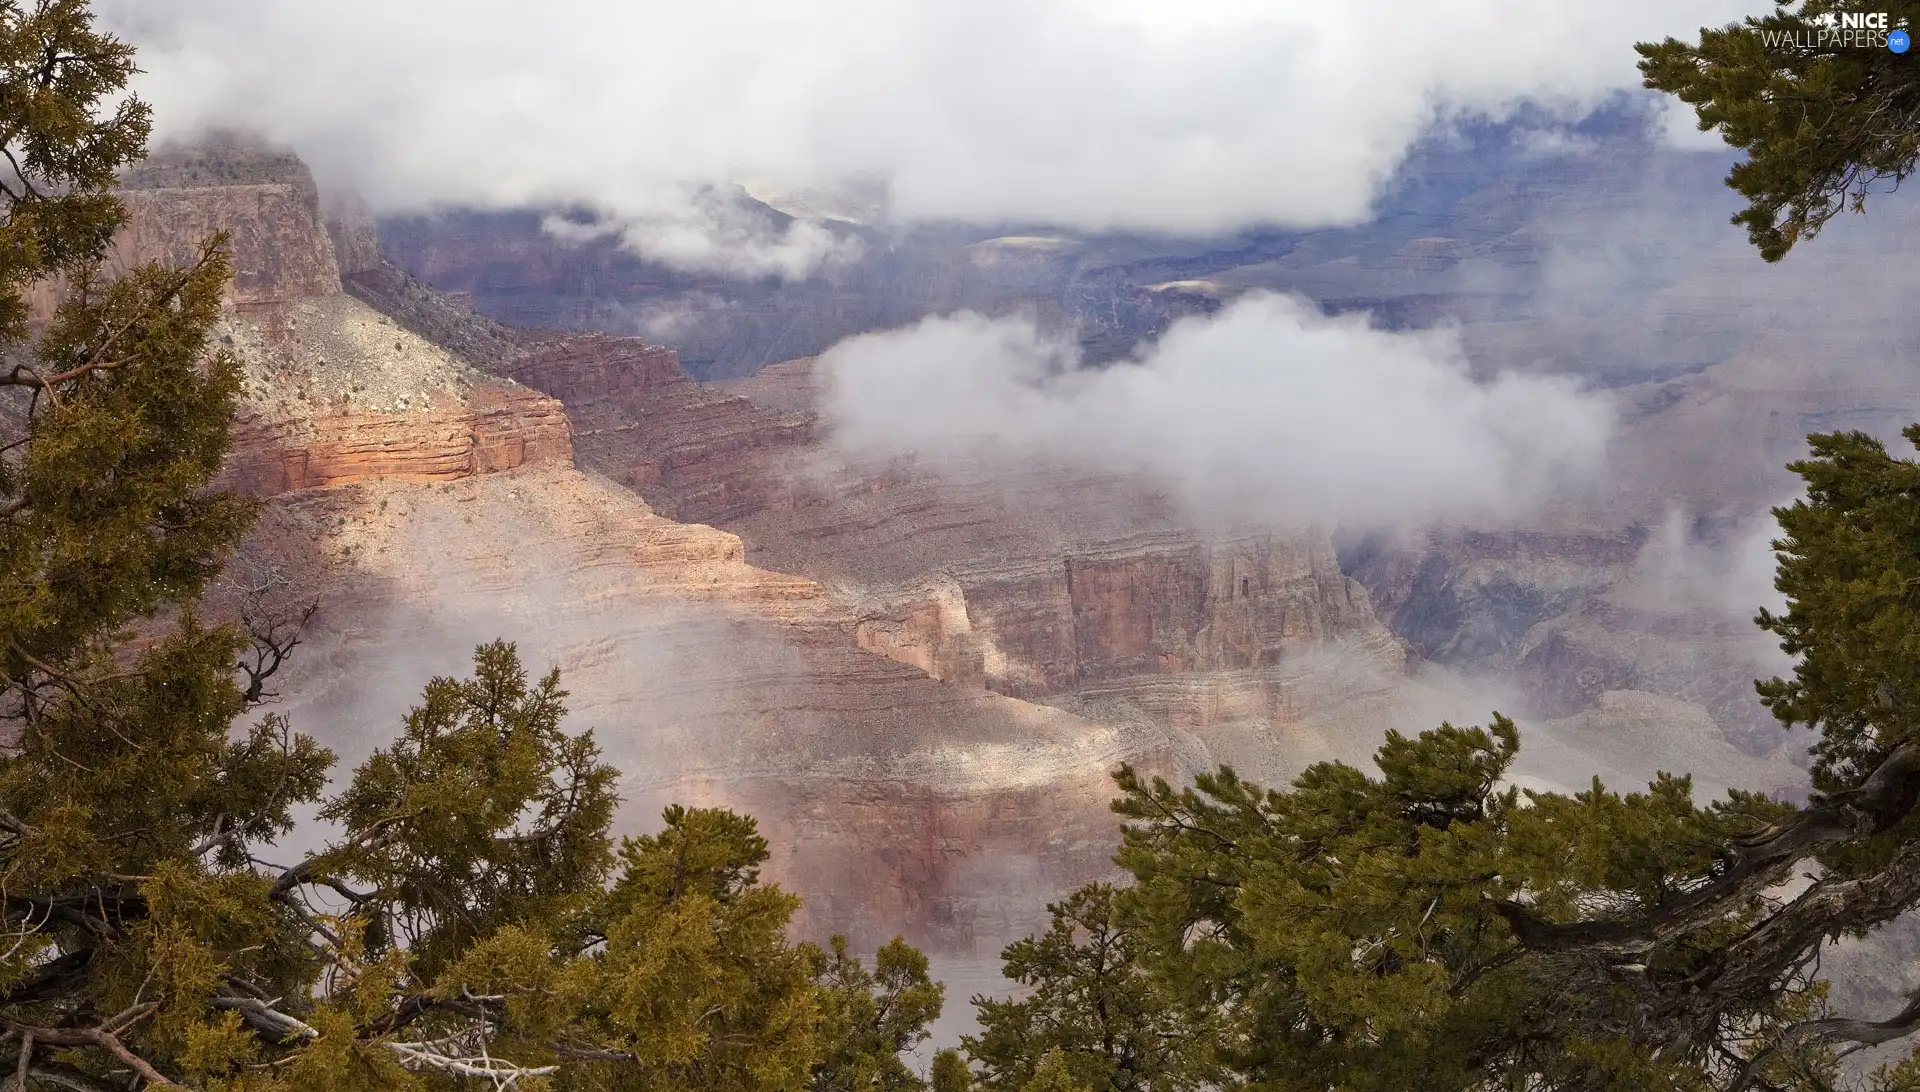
{"type": "Point", "coordinates": [1182, 115]}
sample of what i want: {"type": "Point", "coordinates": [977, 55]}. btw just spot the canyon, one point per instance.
{"type": "Point", "coordinates": [428, 506]}
{"type": "Point", "coordinates": [1600, 254]}
{"type": "Point", "coordinates": [917, 673]}
{"type": "Point", "coordinates": [1272, 647]}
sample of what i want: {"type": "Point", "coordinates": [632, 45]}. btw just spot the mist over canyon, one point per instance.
{"type": "Point", "coordinates": [904, 545]}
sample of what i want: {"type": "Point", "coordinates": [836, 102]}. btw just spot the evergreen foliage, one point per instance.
{"type": "Point", "coordinates": [471, 923]}
{"type": "Point", "coordinates": [1823, 120]}
{"type": "Point", "coordinates": [1091, 1008]}
{"type": "Point", "coordinates": [871, 1019]}
{"type": "Point", "coordinates": [1848, 566]}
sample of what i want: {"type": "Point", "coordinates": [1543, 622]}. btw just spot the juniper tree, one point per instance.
{"type": "Point", "coordinates": [870, 1019]}
{"type": "Point", "coordinates": [1090, 1007]}
{"type": "Point", "coordinates": [1824, 121]}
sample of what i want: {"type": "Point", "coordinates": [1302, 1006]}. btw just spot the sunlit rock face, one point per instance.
{"type": "Point", "coordinates": [496, 428]}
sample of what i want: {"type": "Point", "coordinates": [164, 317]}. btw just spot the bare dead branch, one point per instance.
{"type": "Point", "coordinates": [94, 1037]}
{"type": "Point", "coordinates": [451, 1055]}
{"type": "Point", "coordinates": [262, 1016]}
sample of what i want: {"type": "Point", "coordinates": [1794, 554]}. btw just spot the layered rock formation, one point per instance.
{"type": "Point", "coordinates": [702, 455]}
{"type": "Point", "coordinates": [498, 428]}
{"type": "Point", "coordinates": [1081, 590]}
{"type": "Point", "coordinates": [1035, 588]}
{"type": "Point", "coordinates": [429, 506]}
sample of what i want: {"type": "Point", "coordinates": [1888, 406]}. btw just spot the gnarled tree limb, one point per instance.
{"type": "Point", "coordinates": [1756, 862]}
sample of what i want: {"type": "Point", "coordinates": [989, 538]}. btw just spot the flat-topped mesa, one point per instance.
{"type": "Point", "coordinates": [263, 197]}
{"type": "Point", "coordinates": [334, 393]}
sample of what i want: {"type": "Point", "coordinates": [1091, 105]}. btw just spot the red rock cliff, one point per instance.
{"type": "Point", "coordinates": [1048, 584]}
{"type": "Point", "coordinates": [500, 427]}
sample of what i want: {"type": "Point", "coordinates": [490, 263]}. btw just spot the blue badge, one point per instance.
{"type": "Point", "coordinates": [1898, 41]}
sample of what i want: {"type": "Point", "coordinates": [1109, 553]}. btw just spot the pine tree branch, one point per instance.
{"type": "Point", "coordinates": [1828, 1032]}
{"type": "Point", "coordinates": [377, 834]}
{"type": "Point", "coordinates": [95, 911]}
{"type": "Point", "coordinates": [1757, 862]}
{"type": "Point", "coordinates": [413, 1007]}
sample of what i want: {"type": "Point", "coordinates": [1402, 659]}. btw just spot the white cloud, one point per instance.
{"type": "Point", "coordinates": [1679, 128]}
{"type": "Point", "coordinates": [1203, 115]}
{"type": "Point", "coordinates": [1266, 411]}
{"type": "Point", "coordinates": [1677, 571]}
{"type": "Point", "coordinates": [708, 231]}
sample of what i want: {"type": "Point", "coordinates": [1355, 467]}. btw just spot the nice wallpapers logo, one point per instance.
{"type": "Point", "coordinates": [1843, 30]}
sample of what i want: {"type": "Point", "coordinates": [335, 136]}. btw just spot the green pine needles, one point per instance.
{"type": "Point", "coordinates": [1824, 121]}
